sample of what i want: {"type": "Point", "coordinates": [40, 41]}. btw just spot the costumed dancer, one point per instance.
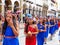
{"type": "Point", "coordinates": [30, 31]}
{"type": "Point", "coordinates": [42, 30]}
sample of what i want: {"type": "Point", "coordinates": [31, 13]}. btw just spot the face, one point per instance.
{"type": "Point", "coordinates": [8, 17]}
{"type": "Point", "coordinates": [30, 21]}
{"type": "Point", "coordinates": [45, 19]}
{"type": "Point", "coordinates": [41, 20]}
{"type": "Point", "coordinates": [52, 17]}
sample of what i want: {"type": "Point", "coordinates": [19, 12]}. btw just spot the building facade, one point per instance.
{"type": "Point", "coordinates": [52, 8]}
{"type": "Point", "coordinates": [34, 7]}
{"type": "Point", "coordinates": [9, 5]}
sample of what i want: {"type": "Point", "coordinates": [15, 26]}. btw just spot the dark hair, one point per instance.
{"type": "Point", "coordinates": [0, 18]}
{"type": "Point", "coordinates": [26, 27]}
{"type": "Point", "coordinates": [6, 24]}
{"type": "Point", "coordinates": [46, 20]}
{"type": "Point", "coordinates": [43, 22]}
{"type": "Point", "coordinates": [34, 22]}
{"type": "Point", "coordinates": [27, 24]}
{"type": "Point", "coordinates": [51, 20]}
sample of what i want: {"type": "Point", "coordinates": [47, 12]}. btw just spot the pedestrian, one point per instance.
{"type": "Point", "coordinates": [30, 32]}
{"type": "Point", "coordinates": [42, 29]}
{"type": "Point", "coordinates": [10, 31]}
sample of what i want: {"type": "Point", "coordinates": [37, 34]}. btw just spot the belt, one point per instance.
{"type": "Point", "coordinates": [9, 36]}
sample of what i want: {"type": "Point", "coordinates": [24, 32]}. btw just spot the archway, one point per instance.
{"type": "Point", "coordinates": [44, 10]}
{"type": "Point", "coordinates": [8, 5]}
{"type": "Point", "coordinates": [16, 6]}
{"type": "Point", "coordinates": [40, 12]}
{"type": "Point", "coordinates": [0, 6]}
{"type": "Point", "coordinates": [24, 8]}
{"type": "Point", "coordinates": [34, 11]}
{"type": "Point", "coordinates": [30, 9]}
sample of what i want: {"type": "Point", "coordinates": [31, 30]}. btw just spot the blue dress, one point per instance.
{"type": "Point", "coordinates": [56, 26]}
{"type": "Point", "coordinates": [47, 30]}
{"type": "Point", "coordinates": [10, 41]}
{"type": "Point", "coordinates": [40, 35]}
{"type": "Point", "coordinates": [52, 27]}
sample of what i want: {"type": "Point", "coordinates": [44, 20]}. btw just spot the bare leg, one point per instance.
{"type": "Point", "coordinates": [45, 40]}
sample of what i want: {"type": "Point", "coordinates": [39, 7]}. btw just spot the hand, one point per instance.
{"type": "Point", "coordinates": [29, 33]}
{"type": "Point", "coordinates": [44, 30]}
{"type": "Point", "coordinates": [41, 31]}
{"type": "Point", "coordinates": [10, 23]}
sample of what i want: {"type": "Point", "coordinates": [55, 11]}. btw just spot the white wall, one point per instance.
{"type": "Point", "coordinates": [58, 4]}
{"type": "Point", "coordinates": [40, 2]}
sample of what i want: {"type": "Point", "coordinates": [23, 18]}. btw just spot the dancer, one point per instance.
{"type": "Point", "coordinates": [30, 32]}
{"type": "Point", "coordinates": [10, 31]}
{"type": "Point", "coordinates": [42, 30]}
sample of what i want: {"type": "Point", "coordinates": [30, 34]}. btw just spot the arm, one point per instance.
{"type": "Point", "coordinates": [25, 30]}
{"type": "Point", "coordinates": [36, 30]}
{"type": "Point", "coordinates": [44, 29]}
{"type": "Point", "coordinates": [15, 30]}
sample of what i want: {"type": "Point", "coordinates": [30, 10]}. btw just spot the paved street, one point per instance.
{"type": "Point", "coordinates": [22, 38]}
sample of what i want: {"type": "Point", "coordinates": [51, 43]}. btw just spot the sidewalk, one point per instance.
{"type": "Point", "coordinates": [55, 40]}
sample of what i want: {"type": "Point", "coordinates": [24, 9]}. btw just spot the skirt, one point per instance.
{"type": "Point", "coordinates": [52, 30]}
{"type": "Point", "coordinates": [31, 40]}
{"type": "Point", "coordinates": [40, 40]}
{"type": "Point", "coordinates": [10, 41]}
{"type": "Point", "coordinates": [46, 33]}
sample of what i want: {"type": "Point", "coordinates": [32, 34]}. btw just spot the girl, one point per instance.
{"type": "Point", "coordinates": [52, 30]}
{"type": "Point", "coordinates": [42, 30]}
{"type": "Point", "coordinates": [47, 30]}
{"type": "Point", "coordinates": [30, 32]}
{"type": "Point", "coordinates": [56, 24]}
{"type": "Point", "coordinates": [10, 31]}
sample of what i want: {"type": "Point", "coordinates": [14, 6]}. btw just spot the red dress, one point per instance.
{"type": "Point", "coordinates": [59, 24]}
{"type": "Point", "coordinates": [31, 40]}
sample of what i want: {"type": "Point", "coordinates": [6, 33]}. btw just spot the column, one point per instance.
{"type": "Point", "coordinates": [21, 8]}
{"type": "Point", "coordinates": [3, 8]}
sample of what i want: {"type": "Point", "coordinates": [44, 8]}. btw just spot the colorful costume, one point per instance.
{"type": "Point", "coordinates": [40, 35]}
{"type": "Point", "coordinates": [10, 41]}
{"type": "Point", "coordinates": [31, 40]}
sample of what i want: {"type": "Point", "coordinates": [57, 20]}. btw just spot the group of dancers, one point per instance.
{"type": "Point", "coordinates": [37, 29]}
